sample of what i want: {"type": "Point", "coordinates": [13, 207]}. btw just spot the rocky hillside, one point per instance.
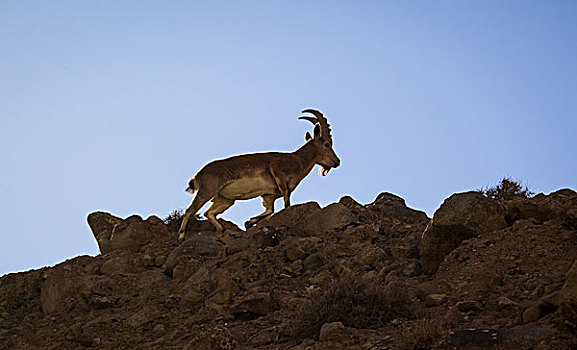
{"type": "Point", "coordinates": [481, 274]}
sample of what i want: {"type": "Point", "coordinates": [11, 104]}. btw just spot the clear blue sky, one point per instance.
{"type": "Point", "coordinates": [114, 105]}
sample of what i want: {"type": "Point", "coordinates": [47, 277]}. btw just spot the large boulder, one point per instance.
{"type": "Point", "coordinates": [102, 224]}
{"type": "Point", "coordinates": [195, 247]}
{"type": "Point", "coordinates": [132, 233]}
{"type": "Point", "coordinates": [289, 217]}
{"type": "Point", "coordinates": [560, 206]}
{"type": "Point", "coordinates": [388, 204]}
{"type": "Point", "coordinates": [461, 216]}
{"type": "Point", "coordinates": [333, 217]}
{"type": "Point", "coordinates": [67, 285]}
{"type": "Point", "coordinates": [568, 296]}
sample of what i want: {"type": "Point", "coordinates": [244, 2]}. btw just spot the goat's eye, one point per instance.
{"type": "Point", "coordinates": [327, 145]}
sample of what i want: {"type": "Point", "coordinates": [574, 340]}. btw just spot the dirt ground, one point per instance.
{"type": "Point", "coordinates": [346, 276]}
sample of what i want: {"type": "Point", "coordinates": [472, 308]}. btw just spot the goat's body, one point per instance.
{"type": "Point", "coordinates": [269, 175]}
{"type": "Point", "coordinates": [249, 176]}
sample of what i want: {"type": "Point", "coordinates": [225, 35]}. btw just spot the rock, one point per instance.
{"type": "Point", "coordinates": [433, 300]}
{"type": "Point", "coordinates": [237, 245]}
{"type": "Point", "coordinates": [199, 246]}
{"type": "Point", "coordinates": [291, 216]}
{"type": "Point", "coordinates": [333, 217]}
{"type": "Point", "coordinates": [131, 234]}
{"type": "Point", "coordinates": [201, 281]}
{"type": "Point", "coordinates": [538, 311]}
{"type": "Point", "coordinates": [254, 305]}
{"type": "Point", "coordinates": [515, 338]}
{"type": "Point", "coordinates": [115, 265]}
{"type": "Point", "coordinates": [313, 262]}
{"type": "Point", "coordinates": [504, 303]}
{"type": "Point", "coordinates": [552, 300]}
{"type": "Point", "coordinates": [159, 328]}
{"type": "Point", "coordinates": [216, 338]}
{"type": "Point", "coordinates": [65, 286]}
{"type": "Point", "coordinates": [469, 306]}
{"type": "Point", "coordinates": [388, 204]}
{"type": "Point", "coordinates": [192, 299]}
{"type": "Point", "coordinates": [372, 258]}
{"type": "Point", "coordinates": [560, 206]}
{"type": "Point", "coordinates": [532, 314]}
{"type": "Point", "coordinates": [226, 289]}
{"type": "Point", "coordinates": [568, 296]}
{"type": "Point", "coordinates": [295, 252]}
{"type": "Point", "coordinates": [412, 268]}
{"type": "Point", "coordinates": [321, 278]}
{"type": "Point", "coordinates": [101, 302]}
{"type": "Point", "coordinates": [350, 203]}
{"type": "Point", "coordinates": [331, 331]}
{"type": "Point", "coordinates": [267, 237]}
{"type": "Point", "coordinates": [101, 224]}
{"type": "Point", "coordinates": [461, 216]}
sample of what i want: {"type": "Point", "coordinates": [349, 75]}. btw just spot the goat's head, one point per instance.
{"type": "Point", "coordinates": [322, 140]}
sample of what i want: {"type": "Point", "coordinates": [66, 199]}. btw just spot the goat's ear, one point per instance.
{"type": "Point", "coordinates": [317, 131]}
{"type": "Point", "coordinates": [308, 136]}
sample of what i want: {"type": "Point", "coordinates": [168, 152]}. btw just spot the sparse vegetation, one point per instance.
{"type": "Point", "coordinates": [423, 335]}
{"type": "Point", "coordinates": [174, 219]}
{"type": "Point", "coordinates": [507, 189]}
{"type": "Point", "coordinates": [354, 301]}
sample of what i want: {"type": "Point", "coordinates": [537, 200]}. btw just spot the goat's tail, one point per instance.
{"type": "Point", "coordinates": [190, 189]}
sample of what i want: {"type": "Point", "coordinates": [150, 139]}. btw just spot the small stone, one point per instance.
{"type": "Point", "coordinates": [532, 313]}
{"type": "Point", "coordinates": [331, 331]}
{"type": "Point", "coordinates": [159, 328]}
{"type": "Point", "coordinates": [192, 298]}
{"type": "Point", "coordinates": [148, 260]}
{"type": "Point", "coordinates": [322, 277]}
{"type": "Point", "coordinates": [552, 299]}
{"type": "Point", "coordinates": [295, 252]}
{"type": "Point", "coordinates": [504, 302]}
{"type": "Point", "coordinates": [413, 268]}
{"type": "Point", "coordinates": [433, 300]}
{"type": "Point", "coordinates": [468, 306]}
{"type": "Point", "coordinates": [237, 245]}
{"type": "Point", "coordinates": [313, 262]}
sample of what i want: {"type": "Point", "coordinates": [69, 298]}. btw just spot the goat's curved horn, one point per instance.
{"type": "Point", "coordinates": [316, 113]}
{"type": "Point", "coordinates": [310, 119]}
{"type": "Point", "coordinates": [320, 118]}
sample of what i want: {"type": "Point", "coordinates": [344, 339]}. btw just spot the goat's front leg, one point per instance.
{"type": "Point", "coordinates": [282, 183]}
{"type": "Point", "coordinates": [268, 204]}
{"type": "Point", "coordinates": [197, 203]}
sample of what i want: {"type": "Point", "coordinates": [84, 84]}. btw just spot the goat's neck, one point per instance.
{"type": "Point", "coordinates": [308, 156]}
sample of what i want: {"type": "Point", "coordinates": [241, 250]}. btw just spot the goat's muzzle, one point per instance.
{"type": "Point", "coordinates": [324, 169]}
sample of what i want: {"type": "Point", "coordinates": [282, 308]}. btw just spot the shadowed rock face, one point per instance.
{"type": "Point", "coordinates": [381, 275]}
{"type": "Point", "coordinates": [461, 216]}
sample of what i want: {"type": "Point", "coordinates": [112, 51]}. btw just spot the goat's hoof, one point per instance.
{"type": "Point", "coordinates": [248, 224]}
{"type": "Point", "coordinates": [181, 236]}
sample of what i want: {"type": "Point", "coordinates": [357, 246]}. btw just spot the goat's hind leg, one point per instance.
{"type": "Point", "coordinates": [219, 205]}
{"type": "Point", "coordinates": [268, 204]}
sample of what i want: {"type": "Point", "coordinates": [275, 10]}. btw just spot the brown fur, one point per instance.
{"type": "Point", "coordinates": [268, 175]}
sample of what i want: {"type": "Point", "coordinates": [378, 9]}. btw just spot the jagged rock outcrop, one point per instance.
{"type": "Point", "coordinates": [560, 206]}
{"type": "Point", "coordinates": [461, 216]}
{"type": "Point", "coordinates": [102, 224]}
{"type": "Point", "coordinates": [343, 276]}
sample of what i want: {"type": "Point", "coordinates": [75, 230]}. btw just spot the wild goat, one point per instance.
{"type": "Point", "coordinates": [269, 175]}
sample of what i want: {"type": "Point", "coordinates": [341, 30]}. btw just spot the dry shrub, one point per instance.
{"type": "Point", "coordinates": [422, 335]}
{"type": "Point", "coordinates": [354, 301]}
{"type": "Point", "coordinates": [174, 219]}
{"type": "Point", "coordinates": [508, 189]}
